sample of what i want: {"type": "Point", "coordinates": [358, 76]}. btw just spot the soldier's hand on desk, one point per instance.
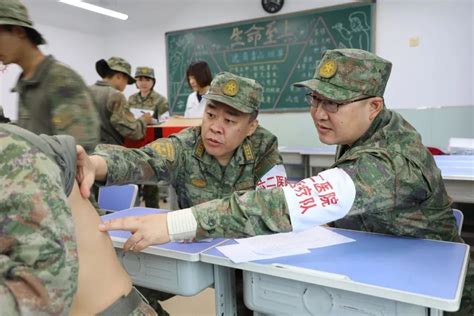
{"type": "Point", "coordinates": [146, 230]}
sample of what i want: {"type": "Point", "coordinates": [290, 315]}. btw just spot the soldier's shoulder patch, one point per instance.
{"type": "Point", "coordinates": [264, 166]}
{"type": "Point", "coordinates": [165, 148]}
{"type": "Point", "coordinates": [199, 183]}
{"type": "Point", "coordinates": [63, 119]}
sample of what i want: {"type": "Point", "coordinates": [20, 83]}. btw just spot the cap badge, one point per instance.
{"type": "Point", "coordinates": [328, 68]}
{"type": "Point", "coordinates": [230, 88]}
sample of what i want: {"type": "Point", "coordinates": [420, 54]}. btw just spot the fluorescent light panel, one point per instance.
{"type": "Point", "coordinates": [95, 8]}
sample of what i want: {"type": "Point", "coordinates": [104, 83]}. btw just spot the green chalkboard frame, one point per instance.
{"type": "Point", "coordinates": [276, 51]}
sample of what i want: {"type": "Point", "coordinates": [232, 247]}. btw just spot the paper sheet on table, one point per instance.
{"type": "Point", "coordinates": [239, 253]}
{"type": "Point", "coordinates": [137, 113]}
{"type": "Point", "coordinates": [283, 244]}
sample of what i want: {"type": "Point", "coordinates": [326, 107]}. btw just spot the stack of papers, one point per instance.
{"type": "Point", "coordinates": [282, 244]}
{"type": "Point", "coordinates": [137, 113]}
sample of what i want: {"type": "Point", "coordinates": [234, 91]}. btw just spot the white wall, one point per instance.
{"type": "Point", "coordinates": [78, 50]}
{"type": "Point", "coordinates": [438, 72]}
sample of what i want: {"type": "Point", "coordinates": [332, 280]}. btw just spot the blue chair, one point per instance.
{"type": "Point", "coordinates": [459, 216]}
{"type": "Point", "coordinates": [117, 197]}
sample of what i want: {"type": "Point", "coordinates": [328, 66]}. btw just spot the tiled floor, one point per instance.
{"type": "Point", "coordinates": [198, 305]}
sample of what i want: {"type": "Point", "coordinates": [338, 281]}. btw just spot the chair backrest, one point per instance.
{"type": "Point", "coordinates": [117, 197]}
{"type": "Point", "coordinates": [459, 216]}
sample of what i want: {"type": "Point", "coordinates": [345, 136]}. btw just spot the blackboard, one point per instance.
{"type": "Point", "coordinates": [276, 51]}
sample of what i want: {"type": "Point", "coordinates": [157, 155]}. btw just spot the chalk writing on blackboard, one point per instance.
{"type": "Point", "coordinates": [275, 51]}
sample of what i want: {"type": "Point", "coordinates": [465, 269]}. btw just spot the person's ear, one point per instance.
{"type": "Point", "coordinates": [376, 105]}
{"type": "Point", "coordinates": [253, 126]}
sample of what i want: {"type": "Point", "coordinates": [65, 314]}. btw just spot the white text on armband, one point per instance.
{"type": "Point", "coordinates": [321, 199]}
{"type": "Point", "coordinates": [274, 178]}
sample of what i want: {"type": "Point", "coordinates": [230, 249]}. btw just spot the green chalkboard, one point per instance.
{"type": "Point", "coordinates": [276, 51]}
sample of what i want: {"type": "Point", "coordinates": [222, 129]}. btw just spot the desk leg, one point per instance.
{"type": "Point", "coordinates": [224, 286]}
{"type": "Point", "coordinates": [307, 167]}
{"type": "Point", "coordinates": [435, 312]}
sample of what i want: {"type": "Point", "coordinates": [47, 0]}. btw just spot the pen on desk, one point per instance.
{"type": "Point", "coordinates": [311, 271]}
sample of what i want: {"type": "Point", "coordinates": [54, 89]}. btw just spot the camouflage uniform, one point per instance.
{"type": "Point", "coordinates": [159, 104]}
{"type": "Point", "coordinates": [182, 160]}
{"type": "Point", "coordinates": [39, 260]}
{"type": "Point", "coordinates": [153, 101]}
{"type": "Point", "coordinates": [117, 121]}
{"type": "Point", "coordinates": [399, 189]}
{"type": "Point", "coordinates": [39, 263]}
{"type": "Point", "coordinates": [55, 100]}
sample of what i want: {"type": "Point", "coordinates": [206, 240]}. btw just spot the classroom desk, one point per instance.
{"type": "Point", "coordinates": [152, 133]}
{"type": "Point", "coordinates": [292, 158]}
{"type": "Point", "coordinates": [319, 158]}
{"type": "Point", "coordinates": [308, 157]}
{"type": "Point", "coordinates": [172, 267]}
{"type": "Point", "coordinates": [375, 275]}
{"type": "Point", "coordinates": [458, 176]}
{"type": "Point", "coordinates": [457, 170]}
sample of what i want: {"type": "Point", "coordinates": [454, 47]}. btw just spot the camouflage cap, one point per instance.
{"type": "Point", "coordinates": [145, 72]}
{"type": "Point", "coordinates": [13, 12]}
{"type": "Point", "coordinates": [117, 64]}
{"type": "Point", "coordinates": [241, 93]}
{"type": "Point", "coordinates": [345, 74]}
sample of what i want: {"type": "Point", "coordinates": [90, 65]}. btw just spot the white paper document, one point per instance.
{"type": "Point", "coordinates": [283, 244]}
{"type": "Point", "coordinates": [137, 113]}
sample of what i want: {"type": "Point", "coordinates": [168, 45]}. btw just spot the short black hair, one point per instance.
{"type": "Point", "coordinates": [33, 36]}
{"type": "Point", "coordinates": [253, 115]}
{"type": "Point", "coordinates": [109, 73]}
{"type": "Point", "coordinates": [201, 72]}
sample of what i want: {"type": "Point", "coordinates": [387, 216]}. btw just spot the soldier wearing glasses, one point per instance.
{"type": "Point", "coordinates": [383, 180]}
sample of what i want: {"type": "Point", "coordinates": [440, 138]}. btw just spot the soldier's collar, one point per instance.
{"type": "Point", "coordinates": [39, 74]}
{"type": "Point", "coordinates": [199, 149]}
{"type": "Point", "coordinates": [382, 118]}
{"type": "Point", "coordinates": [103, 83]}
{"type": "Point", "coordinates": [244, 154]}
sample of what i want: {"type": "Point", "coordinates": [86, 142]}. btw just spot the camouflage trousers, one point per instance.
{"type": "Point", "coordinates": [467, 302]}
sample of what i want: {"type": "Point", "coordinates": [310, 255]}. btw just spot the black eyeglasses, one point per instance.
{"type": "Point", "coordinates": [328, 105]}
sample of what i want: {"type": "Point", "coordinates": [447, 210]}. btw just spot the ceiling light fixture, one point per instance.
{"type": "Point", "coordinates": [95, 8]}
